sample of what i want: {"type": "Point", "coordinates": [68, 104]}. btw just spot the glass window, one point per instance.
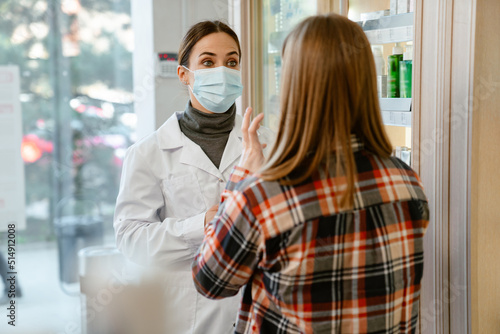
{"type": "Point", "coordinates": [278, 19]}
{"type": "Point", "coordinates": [388, 24]}
{"type": "Point", "coordinates": [75, 62]}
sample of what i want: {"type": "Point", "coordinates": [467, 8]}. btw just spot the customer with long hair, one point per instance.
{"type": "Point", "coordinates": [326, 235]}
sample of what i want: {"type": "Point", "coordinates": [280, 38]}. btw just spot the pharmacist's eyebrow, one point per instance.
{"type": "Point", "coordinates": [207, 53]}
{"type": "Point", "coordinates": [213, 54]}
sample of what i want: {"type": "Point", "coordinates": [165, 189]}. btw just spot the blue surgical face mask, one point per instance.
{"type": "Point", "coordinates": [216, 88]}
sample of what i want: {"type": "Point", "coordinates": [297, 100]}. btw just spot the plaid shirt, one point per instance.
{"type": "Point", "coordinates": [308, 266]}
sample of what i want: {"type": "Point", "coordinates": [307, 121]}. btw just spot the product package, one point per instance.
{"type": "Point", "coordinates": [393, 72]}
{"type": "Point", "coordinates": [405, 73]}
{"type": "Point", "coordinates": [403, 6]}
{"type": "Point", "coordinates": [378, 55]}
{"type": "Point", "coordinates": [382, 86]}
{"type": "Point", "coordinates": [394, 7]}
{"type": "Point", "coordinates": [397, 152]}
{"type": "Point", "coordinates": [405, 155]}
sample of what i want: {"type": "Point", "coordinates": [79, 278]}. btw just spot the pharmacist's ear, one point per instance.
{"type": "Point", "coordinates": [183, 75]}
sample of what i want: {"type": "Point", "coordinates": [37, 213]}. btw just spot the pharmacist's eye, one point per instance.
{"type": "Point", "coordinates": [232, 63]}
{"type": "Point", "coordinates": [207, 63]}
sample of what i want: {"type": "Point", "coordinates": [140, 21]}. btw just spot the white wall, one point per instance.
{"type": "Point", "coordinates": [159, 26]}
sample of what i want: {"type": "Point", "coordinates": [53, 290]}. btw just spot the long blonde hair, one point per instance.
{"type": "Point", "coordinates": [329, 92]}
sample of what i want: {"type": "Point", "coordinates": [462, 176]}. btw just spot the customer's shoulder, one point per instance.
{"type": "Point", "coordinates": [398, 166]}
{"type": "Point", "coordinates": [389, 175]}
{"type": "Point", "coordinates": [369, 162]}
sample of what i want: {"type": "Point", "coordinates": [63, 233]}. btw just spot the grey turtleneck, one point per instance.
{"type": "Point", "coordinates": [209, 131]}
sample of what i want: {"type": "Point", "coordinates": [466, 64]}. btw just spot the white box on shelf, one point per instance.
{"type": "Point", "coordinates": [406, 155]}
{"type": "Point", "coordinates": [382, 86]}
{"type": "Point", "coordinates": [396, 118]}
{"type": "Point", "coordinates": [403, 6]}
{"type": "Point", "coordinates": [391, 35]}
{"type": "Point", "coordinates": [397, 152]}
{"type": "Point", "coordinates": [396, 112]}
{"type": "Point", "coordinates": [394, 7]}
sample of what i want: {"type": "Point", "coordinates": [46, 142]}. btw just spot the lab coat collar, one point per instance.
{"type": "Point", "coordinates": [193, 155]}
{"type": "Point", "coordinates": [170, 136]}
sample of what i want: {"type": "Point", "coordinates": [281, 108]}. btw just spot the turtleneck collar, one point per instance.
{"type": "Point", "coordinates": [202, 123]}
{"type": "Point", "coordinates": [209, 131]}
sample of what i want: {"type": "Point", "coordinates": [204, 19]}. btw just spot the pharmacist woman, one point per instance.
{"type": "Point", "coordinates": [172, 180]}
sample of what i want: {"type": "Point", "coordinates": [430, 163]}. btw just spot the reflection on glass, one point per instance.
{"type": "Point", "coordinates": [388, 25]}
{"type": "Point", "coordinates": [278, 19]}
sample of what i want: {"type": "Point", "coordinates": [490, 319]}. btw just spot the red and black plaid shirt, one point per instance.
{"type": "Point", "coordinates": [309, 267]}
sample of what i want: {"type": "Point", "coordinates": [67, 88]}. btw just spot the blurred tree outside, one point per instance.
{"type": "Point", "coordinates": [75, 60]}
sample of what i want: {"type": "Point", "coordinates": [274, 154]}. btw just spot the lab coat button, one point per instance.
{"type": "Point", "coordinates": [221, 180]}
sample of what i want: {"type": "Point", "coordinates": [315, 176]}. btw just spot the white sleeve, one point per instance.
{"type": "Point", "coordinates": [140, 235]}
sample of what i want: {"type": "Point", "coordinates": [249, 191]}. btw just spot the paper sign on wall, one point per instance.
{"type": "Point", "coordinates": [12, 191]}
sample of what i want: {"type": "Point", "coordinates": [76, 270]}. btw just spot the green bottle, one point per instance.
{"type": "Point", "coordinates": [393, 71]}
{"type": "Point", "coordinates": [405, 76]}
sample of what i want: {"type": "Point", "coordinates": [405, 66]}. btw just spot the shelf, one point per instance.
{"type": "Point", "coordinates": [396, 118]}
{"type": "Point", "coordinates": [391, 35]}
{"type": "Point", "coordinates": [389, 29]}
{"type": "Point", "coordinates": [388, 22]}
{"type": "Point", "coordinates": [397, 104]}
{"type": "Point", "coordinates": [396, 112]}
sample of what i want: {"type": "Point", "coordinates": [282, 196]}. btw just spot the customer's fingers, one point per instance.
{"type": "Point", "coordinates": [245, 124]}
{"type": "Point", "coordinates": [252, 131]}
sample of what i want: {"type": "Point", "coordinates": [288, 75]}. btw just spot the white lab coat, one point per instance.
{"type": "Point", "coordinates": [167, 185]}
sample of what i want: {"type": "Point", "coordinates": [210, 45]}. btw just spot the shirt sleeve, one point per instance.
{"type": "Point", "coordinates": [140, 234]}
{"type": "Point", "coordinates": [230, 250]}
{"type": "Point", "coordinates": [237, 174]}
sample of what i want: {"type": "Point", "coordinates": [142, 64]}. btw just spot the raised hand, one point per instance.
{"type": "Point", "coordinates": [252, 156]}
